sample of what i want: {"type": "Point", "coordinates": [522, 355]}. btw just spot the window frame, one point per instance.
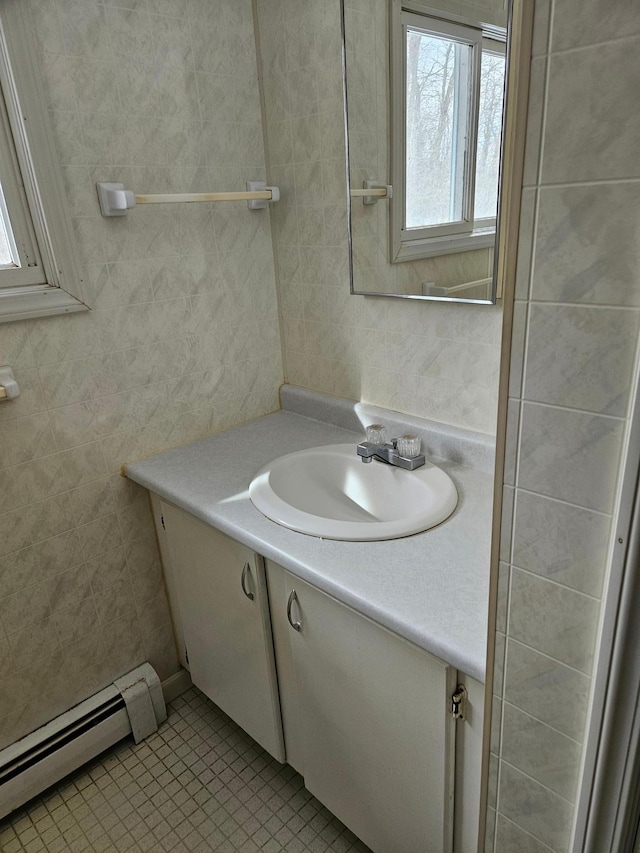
{"type": "Point", "coordinates": [58, 289]}
{"type": "Point", "coordinates": [415, 243]}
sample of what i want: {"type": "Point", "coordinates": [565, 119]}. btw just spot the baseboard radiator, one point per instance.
{"type": "Point", "coordinates": [132, 705]}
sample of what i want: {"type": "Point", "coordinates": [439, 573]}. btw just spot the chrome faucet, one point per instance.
{"type": "Point", "coordinates": [388, 453]}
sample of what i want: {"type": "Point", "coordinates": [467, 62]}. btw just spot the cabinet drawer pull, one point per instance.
{"type": "Point", "coordinates": [243, 582]}
{"type": "Point", "coordinates": [293, 597]}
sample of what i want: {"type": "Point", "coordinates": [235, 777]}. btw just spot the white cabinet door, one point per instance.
{"type": "Point", "coordinates": [224, 608]}
{"type": "Point", "coordinates": [378, 739]}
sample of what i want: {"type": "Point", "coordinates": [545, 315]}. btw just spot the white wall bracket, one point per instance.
{"type": "Point", "coordinates": [372, 192]}
{"type": "Point", "coordinates": [9, 388]}
{"type": "Point", "coordinates": [114, 199]}
{"type": "Point", "coordinates": [260, 187]}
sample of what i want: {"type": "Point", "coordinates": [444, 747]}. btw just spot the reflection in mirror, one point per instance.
{"type": "Point", "coordinates": [424, 88]}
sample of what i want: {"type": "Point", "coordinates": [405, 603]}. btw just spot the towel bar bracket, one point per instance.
{"type": "Point", "coordinates": [9, 388]}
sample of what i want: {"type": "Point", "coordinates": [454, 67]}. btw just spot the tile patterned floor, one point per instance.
{"type": "Point", "coordinates": [199, 784]}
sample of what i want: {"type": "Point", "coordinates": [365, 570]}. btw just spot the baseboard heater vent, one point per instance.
{"type": "Point", "coordinates": [133, 704]}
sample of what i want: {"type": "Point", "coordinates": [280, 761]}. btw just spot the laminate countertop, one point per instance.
{"type": "Point", "coordinates": [430, 588]}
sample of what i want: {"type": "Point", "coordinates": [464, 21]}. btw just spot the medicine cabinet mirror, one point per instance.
{"type": "Point", "coordinates": [425, 92]}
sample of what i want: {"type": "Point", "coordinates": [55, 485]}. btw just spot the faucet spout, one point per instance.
{"type": "Point", "coordinates": [388, 454]}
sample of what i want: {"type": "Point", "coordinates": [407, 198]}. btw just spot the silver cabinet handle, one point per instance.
{"type": "Point", "coordinates": [293, 597]}
{"type": "Point", "coordinates": [243, 582]}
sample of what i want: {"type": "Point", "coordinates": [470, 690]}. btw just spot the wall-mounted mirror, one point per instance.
{"type": "Point", "coordinates": [424, 90]}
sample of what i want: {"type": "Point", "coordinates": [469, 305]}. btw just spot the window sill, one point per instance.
{"type": "Point", "coordinates": [22, 303]}
{"type": "Point", "coordinates": [412, 250]}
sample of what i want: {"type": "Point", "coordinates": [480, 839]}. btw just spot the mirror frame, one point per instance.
{"type": "Point", "coordinates": [511, 163]}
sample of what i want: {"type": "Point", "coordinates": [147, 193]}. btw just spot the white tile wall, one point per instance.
{"type": "Point", "coordinates": [182, 340]}
{"type": "Point", "coordinates": [573, 366]}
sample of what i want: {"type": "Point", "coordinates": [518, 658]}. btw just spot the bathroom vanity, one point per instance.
{"type": "Point", "coordinates": [344, 659]}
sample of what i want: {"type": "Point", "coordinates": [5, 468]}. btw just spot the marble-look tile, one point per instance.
{"type": "Point", "coordinates": [506, 523]}
{"type": "Point", "coordinates": [6, 657]}
{"type": "Point", "coordinates": [145, 569]}
{"type": "Point", "coordinates": [76, 622]}
{"type": "Point", "coordinates": [30, 644]}
{"type": "Point", "coordinates": [581, 22]}
{"type": "Point", "coordinates": [95, 86]}
{"type": "Point", "coordinates": [31, 399]}
{"type": "Point", "coordinates": [581, 357]}
{"type": "Point", "coordinates": [512, 441]}
{"type": "Point", "coordinates": [26, 438]}
{"type": "Point", "coordinates": [490, 831]}
{"type": "Point", "coordinates": [30, 683]}
{"type": "Point", "coordinates": [449, 402]}
{"type": "Point", "coordinates": [13, 493]}
{"type": "Point", "coordinates": [134, 521]}
{"type": "Point", "coordinates": [46, 27]}
{"type": "Point", "coordinates": [541, 20]}
{"type": "Point", "coordinates": [160, 651]}
{"type": "Point", "coordinates": [56, 71]}
{"type": "Point", "coordinates": [48, 518]}
{"type": "Point", "coordinates": [561, 542]}
{"type": "Point", "coordinates": [24, 608]}
{"type": "Point", "coordinates": [518, 344]}
{"type": "Point", "coordinates": [116, 602]}
{"type": "Point", "coordinates": [66, 127]}
{"type": "Point", "coordinates": [541, 752]}
{"type": "Point", "coordinates": [122, 637]}
{"type": "Point", "coordinates": [557, 621]}
{"type": "Point", "coordinates": [108, 569]}
{"type": "Point", "coordinates": [171, 40]}
{"type": "Point", "coordinates": [504, 580]}
{"type": "Point", "coordinates": [155, 615]}
{"type": "Point", "coordinates": [539, 685]}
{"type": "Point", "coordinates": [492, 794]}
{"type": "Point", "coordinates": [84, 29]}
{"type": "Point", "coordinates": [534, 808]}
{"type": "Point", "coordinates": [15, 346]}
{"type": "Point", "coordinates": [585, 251]}
{"type": "Point", "coordinates": [15, 531]}
{"type": "Point", "coordinates": [306, 139]}
{"type": "Point", "coordinates": [598, 143]}
{"type": "Point", "coordinates": [22, 569]}
{"type": "Point", "coordinates": [35, 522]}
{"type": "Point", "coordinates": [173, 8]}
{"type": "Point", "coordinates": [98, 536]}
{"type": "Point", "coordinates": [570, 455]}
{"type": "Point", "coordinates": [91, 501]}
{"type": "Point", "coordinates": [69, 588]}
{"type": "Point", "coordinates": [537, 82]}
{"type": "Point", "coordinates": [58, 472]}
{"type": "Point", "coordinates": [496, 724]}
{"type": "Point", "coordinates": [510, 838]}
{"type": "Point", "coordinates": [82, 656]}
{"type": "Point", "coordinates": [498, 672]}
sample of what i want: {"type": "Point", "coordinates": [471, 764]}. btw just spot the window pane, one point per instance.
{"type": "Point", "coordinates": [489, 135]}
{"type": "Point", "coordinates": [9, 258]}
{"type": "Point", "coordinates": [437, 75]}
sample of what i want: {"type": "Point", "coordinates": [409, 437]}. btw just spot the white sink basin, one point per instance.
{"type": "Point", "coordinates": [329, 492]}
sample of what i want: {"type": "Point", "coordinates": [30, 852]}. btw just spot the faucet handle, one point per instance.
{"type": "Point", "coordinates": [376, 434]}
{"type": "Point", "coordinates": [408, 445]}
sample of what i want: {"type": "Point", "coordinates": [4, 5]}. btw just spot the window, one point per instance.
{"type": "Point", "coordinates": [38, 268]}
{"type": "Point", "coordinates": [447, 103]}
{"type": "Point", "coordinates": [20, 261]}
